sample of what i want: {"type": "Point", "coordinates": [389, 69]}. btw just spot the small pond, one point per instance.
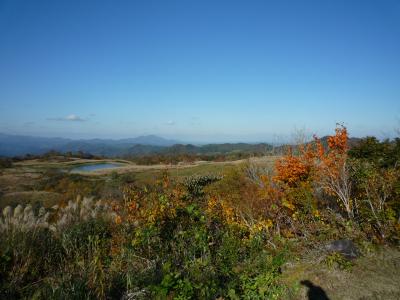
{"type": "Point", "coordinates": [95, 167]}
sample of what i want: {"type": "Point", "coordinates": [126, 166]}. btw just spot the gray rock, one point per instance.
{"type": "Point", "coordinates": [346, 247]}
{"type": "Point", "coordinates": [136, 294]}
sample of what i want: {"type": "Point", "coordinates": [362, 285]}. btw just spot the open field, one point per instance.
{"type": "Point", "coordinates": [24, 181]}
{"type": "Point", "coordinates": [127, 166]}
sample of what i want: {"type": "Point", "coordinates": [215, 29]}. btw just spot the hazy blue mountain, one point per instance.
{"type": "Point", "coordinates": [16, 145]}
{"type": "Point", "coordinates": [12, 145]}
{"type": "Point", "coordinates": [152, 140]}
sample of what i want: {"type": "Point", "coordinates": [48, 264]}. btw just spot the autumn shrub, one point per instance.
{"type": "Point", "coordinates": [326, 179]}
{"type": "Point", "coordinates": [208, 261]}
{"type": "Point", "coordinates": [69, 185]}
{"type": "Point", "coordinates": [237, 193]}
{"type": "Point", "coordinates": [190, 251]}
{"type": "Point", "coordinates": [292, 169]}
{"type": "Point", "coordinates": [320, 166]}
{"type": "Point", "coordinates": [383, 154]}
{"type": "Point", "coordinates": [377, 198]}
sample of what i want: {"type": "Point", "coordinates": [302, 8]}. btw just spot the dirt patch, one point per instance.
{"type": "Point", "coordinates": [131, 167]}
{"type": "Point", "coordinates": [376, 275]}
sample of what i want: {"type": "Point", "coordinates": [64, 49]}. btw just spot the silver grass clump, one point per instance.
{"type": "Point", "coordinates": [82, 210]}
{"type": "Point", "coordinates": [23, 219]}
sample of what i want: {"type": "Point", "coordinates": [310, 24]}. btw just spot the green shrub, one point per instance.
{"type": "Point", "coordinates": [195, 184]}
{"type": "Point", "coordinates": [5, 163]}
{"type": "Point", "coordinates": [337, 260]}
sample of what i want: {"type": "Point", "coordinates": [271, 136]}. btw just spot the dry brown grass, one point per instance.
{"type": "Point", "coordinates": [376, 275]}
{"type": "Point", "coordinates": [45, 199]}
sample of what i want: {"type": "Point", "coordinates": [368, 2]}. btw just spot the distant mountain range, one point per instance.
{"type": "Point", "coordinates": [16, 145]}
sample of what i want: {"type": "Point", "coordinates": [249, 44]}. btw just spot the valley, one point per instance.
{"type": "Point", "coordinates": [26, 182]}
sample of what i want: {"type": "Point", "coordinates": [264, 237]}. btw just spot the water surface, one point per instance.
{"type": "Point", "coordinates": [95, 167]}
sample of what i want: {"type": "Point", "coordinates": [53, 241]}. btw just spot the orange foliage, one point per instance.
{"type": "Point", "coordinates": [331, 161]}
{"type": "Point", "coordinates": [143, 206]}
{"type": "Point", "coordinates": [292, 169]}
{"type": "Point", "coordinates": [338, 142]}
{"type": "Point", "coordinates": [314, 160]}
{"type": "Point", "coordinates": [232, 216]}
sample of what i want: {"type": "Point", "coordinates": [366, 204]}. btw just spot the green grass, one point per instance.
{"type": "Point", "coordinates": [179, 173]}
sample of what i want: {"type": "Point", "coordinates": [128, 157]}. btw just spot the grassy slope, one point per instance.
{"type": "Point", "coordinates": [375, 275]}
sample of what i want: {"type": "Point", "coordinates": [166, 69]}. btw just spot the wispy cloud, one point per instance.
{"type": "Point", "coordinates": [71, 118]}
{"type": "Point", "coordinates": [74, 118]}
{"type": "Point", "coordinates": [170, 123]}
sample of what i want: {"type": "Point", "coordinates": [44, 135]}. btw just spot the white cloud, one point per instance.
{"type": "Point", "coordinates": [71, 118]}
{"type": "Point", "coordinates": [171, 123]}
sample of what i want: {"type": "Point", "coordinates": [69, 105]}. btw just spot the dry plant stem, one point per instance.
{"type": "Point", "coordinates": [341, 186]}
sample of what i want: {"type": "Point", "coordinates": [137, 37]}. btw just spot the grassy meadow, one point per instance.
{"type": "Point", "coordinates": [40, 181]}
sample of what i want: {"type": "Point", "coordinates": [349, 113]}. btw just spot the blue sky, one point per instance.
{"type": "Point", "coordinates": [199, 70]}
